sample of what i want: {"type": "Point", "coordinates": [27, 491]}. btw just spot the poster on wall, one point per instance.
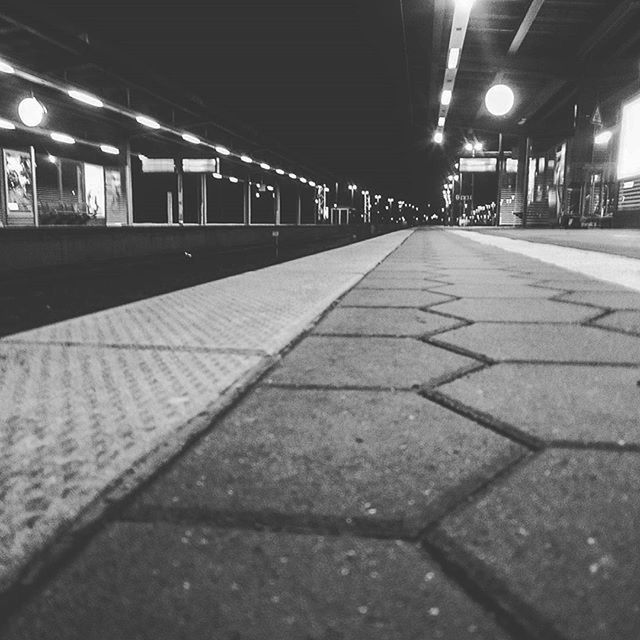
{"type": "Point", "coordinates": [116, 202]}
{"type": "Point", "coordinates": [94, 188]}
{"type": "Point", "coordinates": [629, 151]}
{"type": "Point", "coordinates": [18, 182]}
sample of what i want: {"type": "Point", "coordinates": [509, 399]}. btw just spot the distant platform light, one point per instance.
{"type": "Point", "coordinates": [62, 137]}
{"type": "Point", "coordinates": [603, 138]}
{"type": "Point", "coordinates": [454, 57]}
{"type": "Point", "coordinates": [478, 146]}
{"type": "Point", "coordinates": [110, 149]}
{"type": "Point", "coordinates": [302, 179]}
{"type": "Point", "coordinates": [5, 67]}
{"type": "Point", "coordinates": [233, 179]}
{"type": "Point", "coordinates": [499, 100]}
{"type": "Point", "coordinates": [52, 159]}
{"type": "Point", "coordinates": [312, 183]}
{"type": "Point", "coordinates": [293, 176]}
{"type": "Point", "coordinates": [468, 146]}
{"type": "Point", "coordinates": [269, 187]}
{"type": "Point", "coordinates": [446, 96]}
{"type": "Point", "coordinates": [147, 122]}
{"type": "Point", "coordinates": [86, 98]}
{"type": "Point", "coordinates": [441, 121]}
{"type": "Point", "coordinates": [438, 137]}
{"type": "Point", "coordinates": [265, 166]}
{"type": "Point", "coordinates": [246, 159]}
{"type": "Point", "coordinates": [280, 172]}
{"type": "Point", "coordinates": [223, 151]}
{"type": "Point", "coordinates": [217, 176]}
{"type": "Point", "coordinates": [31, 112]}
{"type": "Point", "coordinates": [189, 137]}
{"type": "Point", "coordinates": [5, 124]}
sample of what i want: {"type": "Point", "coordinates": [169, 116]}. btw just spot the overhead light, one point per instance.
{"type": "Point", "coordinates": [31, 112]}
{"type": "Point", "coordinates": [438, 137]}
{"type": "Point", "coordinates": [478, 146]}
{"type": "Point", "coordinates": [87, 98]}
{"type": "Point", "coordinates": [233, 179]}
{"type": "Point", "coordinates": [445, 99]}
{"type": "Point", "coordinates": [280, 172]}
{"type": "Point", "coordinates": [217, 176]}
{"type": "Point", "coordinates": [111, 150]}
{"type": "Point", "coordinates": [629, 185]}
{"type": "Point", "coordinates": [293, 176]}
{"type": "Point", "coordinates": [52, 159]}
{"type": "Point", "coordinates": [223, 151]}
{"type": "Point", "coordinates": [468, 146]}
{"type": "Point", "coordinates": [499, 100]}
{"type": "Point", "coordinates": [5, 124]}
{"type": "Point", "coordinates": [269, 187]}
{"type": "Point", "coordinates": [265, 166]}
{"type": "Point", "coordinates": [312, 183]}
{"type": "Point", "coordinates": [441, 121]}
{"type": "Point", "coordinates": [246, 159]}
{"type": "Point", "coordinates": [6, 67]}
{"type": "Point", "coordinates": [303, 180]}
{"type": "Point", "coordinates": [147, 122]}
{"type": "Point", "coordinates": [189, 137]}
{"type": "Point", "coordinates": [454, 57]}
{"type": "Point", "coordinates": [63, 138]}
{"type": "Point", "coordinates": [603, 138]}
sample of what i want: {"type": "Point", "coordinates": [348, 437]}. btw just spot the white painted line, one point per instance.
{"type": "Point", "coordinates": [618, 270]}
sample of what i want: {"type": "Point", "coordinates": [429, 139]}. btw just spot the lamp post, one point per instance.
{"type": "Point", "coordinates": [499, 101]}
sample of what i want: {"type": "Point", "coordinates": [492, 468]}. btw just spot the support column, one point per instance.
{"type": "Point", "coordinates": [128, 184]}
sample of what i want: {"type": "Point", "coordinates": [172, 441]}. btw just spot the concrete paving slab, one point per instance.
{"type": "Point", "coordinates": [382, 321]}
{"type": "Point", "coordinates": [374, 282]}
{"type": "Point", "coordinates": [571, 284]}
{"type": "Point", "coordinates": [516, 310]}
{"type": "Point", "coordinates": [250, 586]}
{"type": "Point", "coordinates": [622, 320]}
{"type": "Point", "coordinates": [392, 363]}
{"type": "Point", "coordinates": [391, 298]}
{"type": "Point", "coordinates": [488, 289]}
{"type": "Point", "coordinates": [557, 402]}
{"type": "Point", "coordinates": [562, 534]}
{"type": "Point", "coordinates": [77, 418]}
{"type": "Point", "coordinates": [390, 458]}
{"type": "Point", "coordinates": [545, 342]}
{"type": "Point", "coordinates": [606, 300]}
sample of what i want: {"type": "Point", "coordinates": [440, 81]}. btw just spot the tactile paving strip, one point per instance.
{"type": "Point", "coordinates": [76, 418]}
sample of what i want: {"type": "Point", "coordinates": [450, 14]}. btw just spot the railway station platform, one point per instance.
{"type": "Point", "coordinates": [428, 434]}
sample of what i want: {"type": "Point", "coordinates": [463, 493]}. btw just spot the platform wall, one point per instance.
{"type": "Point", "coordinates": [30, 248]}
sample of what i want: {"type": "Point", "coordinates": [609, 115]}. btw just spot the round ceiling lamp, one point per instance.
{"type": "Point", "coordinates": [499, 100]}
{"type": "Point", "coordinates": [31, 112]}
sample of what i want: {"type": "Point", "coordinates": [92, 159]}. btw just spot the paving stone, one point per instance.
{"type": "Point", "coordinates": [248, 585]}
{"type": "Point", "coordinates": [516, 310]}
{"type": "Point", "coordinates": [611, 300]}
{"type": "Point", "coordinates": [624, 320]}
{"type": "Point", "coordinates": [374, 282]}
{"type": "Point", "coordinates": [379, 456]}
{"type": "Point", "coordinates": [562, 533]}
{"type": "Point", "coordinates": [389, 322]}
{"type": "Point", "coordinates": [557, 402]}
{"type": "Point", "coordinates": [366, 362]}
{"type": "Point", "coordinates": [539, 342]}
{"type": "Point", "coordinates": [581, 284]}
{"type": "Point", "coordinates": [391, 298]}
{"type": "Point", "coordinates": [76, 418]}
{"type": "Point", "coordinates": [489, 289]}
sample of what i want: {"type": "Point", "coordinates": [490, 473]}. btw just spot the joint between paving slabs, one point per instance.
{"type": "Point", "coordinates": [461, 351]}
{"type": "Point", "coordinates": [514, 615]}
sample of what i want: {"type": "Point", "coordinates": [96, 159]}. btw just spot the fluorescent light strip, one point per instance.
{"type": "Point", "coordinates": [246, 159]}
{"type": "Point", "coordinates": [62, 137]}
{"type": "Point", "coordinates": [148, 122]}
{"type": "Point", "coordinates": [454, 57]}
{"type": "Point", "coordinates": [86, 98]}
{"type": "Point", "coordinates": [5, 67]}
{"type": "Point", "coordinates": [265, 166]}
{"type": "Point", "coordinates": [5, 124]}
{"type": "Point", "coordinates": [111, 150]}
{"type": "Point", "coordinates": [189, 137]}
{"type": "Point", "coordinates": [223, 151]}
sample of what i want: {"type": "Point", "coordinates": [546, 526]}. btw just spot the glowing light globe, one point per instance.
{"type": "Point", "coordinates": [31, 112]}
{"type": "Point", "coordinates": [499, 100]}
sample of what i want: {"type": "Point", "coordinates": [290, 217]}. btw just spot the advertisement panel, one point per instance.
{"type": "Point", "coordinates": [629, 150]}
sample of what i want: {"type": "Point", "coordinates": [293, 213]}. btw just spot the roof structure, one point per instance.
{"type": "Point", "coordinates": [349, 89]}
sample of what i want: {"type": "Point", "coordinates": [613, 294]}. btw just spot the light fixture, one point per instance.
{"type": "Point", "coordinates": [87, 98]}
{"type": "Point", "coordinates": [265, 166]}
{"type": "Point", "coordinates": [454, 57]}
{"type": "Point", "coordinates": [445, 99]}
{"type": "Point", "coordinates": [438, 137]}
{"type": "Point", "coordinates": [147, 122]}
{"type": "Point", "coordinates": [217, 176]}
{"type": "Point", "coordinates": [499, 100]}
{"type": "Point", "coordinates": [478, 146]}
{"type": "Point", "coordinates": [441, 122]}
{"type": "Point", "coordinates": [111, 150]}
{"type": "Point", "coordinates": [62, 137]}
{"type": "Point", "coordinates": [468, 146]}
{"type": "Point", "coordinates": [5, 124]}
{"type": "Point", "coordinates": [6, 67]}
{"type": "Point", "coordinates": [223, 151]}
{"type": "Point", "coordinates": [189, 137]}
{"type": "Point", "coordinates": [603, 138]}
{"type": "Point", "coordinates": [246, 159]}
{"type": "Point", "coordinates": [52, 159]}
{"type": "Point", "coordinates": [464, 5]}
{"type": "Point", "coordinates": [302, 179]}
{"type": "Point", "coordinates": [312, 183]}
{"type": "Point", "coordinates": [269, 188]}
{"type": "Point", "coordinates": [280, 172]}
{"type": "Point", "coordinates": [293, 176]}
{"type": "Point", "coordinates": [31, 112]}
{"type": "Point", "coordinates": [233, 179]}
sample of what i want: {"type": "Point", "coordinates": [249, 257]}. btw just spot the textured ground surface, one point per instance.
{"type": "Point", "coordinates": [453, 452]}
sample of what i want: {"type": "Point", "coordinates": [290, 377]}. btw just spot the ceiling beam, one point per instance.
{"type": "Point", "coordinates": [525, 26]}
